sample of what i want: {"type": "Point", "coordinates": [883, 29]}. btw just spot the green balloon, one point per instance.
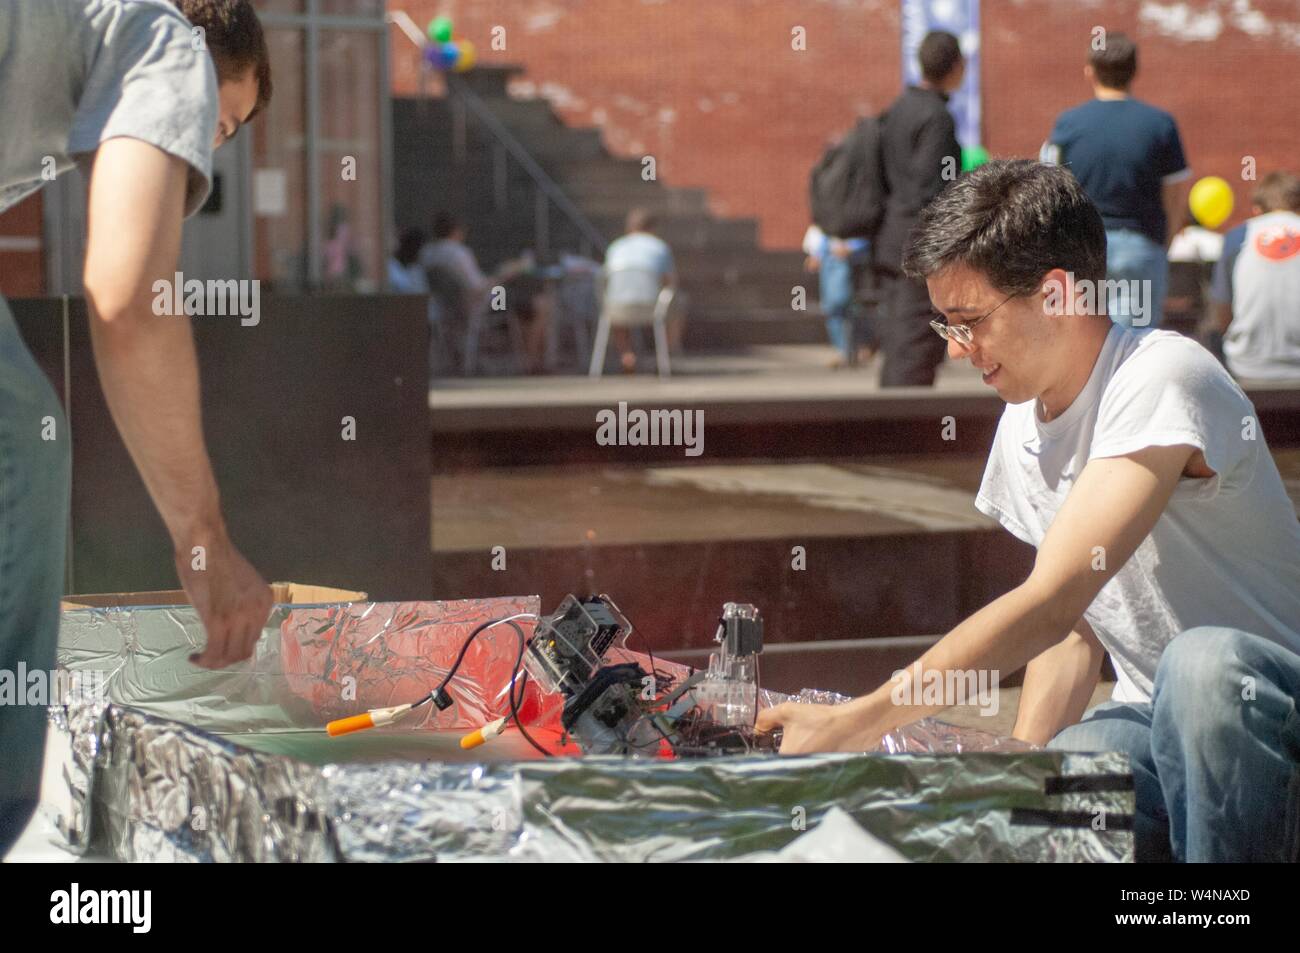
{"type": "Point", "coordinates": [440, 29]}
{"type": "Point", "coordinates": [972, 157]}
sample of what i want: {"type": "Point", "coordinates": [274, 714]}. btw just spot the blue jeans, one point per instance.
{"type": "Point", "coordinates": [35, 467]}
{"type": "Point", "coordinates": [836, 295]}
{"type": "Point", "coordinates": [1133, 257]}
{"type": "Point", "coordinates": [1215, 754]}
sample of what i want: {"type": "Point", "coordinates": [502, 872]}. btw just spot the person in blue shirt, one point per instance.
{"type": "Point", "coordinates": [1128, 157]}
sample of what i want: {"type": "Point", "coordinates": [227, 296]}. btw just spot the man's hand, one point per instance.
{"type": "Point", "coordinates": [232, 600]}
{"type": "Point", "coordinates": [809, 728]}
{"type": "Point", "coordinates": [149, 374]}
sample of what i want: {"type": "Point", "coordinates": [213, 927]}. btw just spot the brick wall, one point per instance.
{"type": "Point", "coordinates": [713, 90]}
{"type": "Point", "coordinates": [22, 260]}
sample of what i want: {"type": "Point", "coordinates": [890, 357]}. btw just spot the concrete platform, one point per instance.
{"type": "Point", "coordinates": [777, 401]}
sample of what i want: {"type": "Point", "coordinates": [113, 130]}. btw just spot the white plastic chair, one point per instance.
{"type": "Point", "coordinates": [659, 321]}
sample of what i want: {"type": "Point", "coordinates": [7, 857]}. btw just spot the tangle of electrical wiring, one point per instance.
{"type": "Point", "coordinates": [607, 709]}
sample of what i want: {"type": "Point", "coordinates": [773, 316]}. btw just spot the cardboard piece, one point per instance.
{"type": "Point", "coordinates": [283, 593]}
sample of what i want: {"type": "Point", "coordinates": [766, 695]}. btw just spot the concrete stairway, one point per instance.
{"type": "Point", "coordinates": [740, 294]}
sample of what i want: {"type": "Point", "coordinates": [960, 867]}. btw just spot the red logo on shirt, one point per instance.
{"type": "Point", "coordinates": [1278, 243]}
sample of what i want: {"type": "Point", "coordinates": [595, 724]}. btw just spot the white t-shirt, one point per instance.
{"type": "Point", "coordinates": [635, 265]}
{"type": "Point", "coordinates": [1226, 550]}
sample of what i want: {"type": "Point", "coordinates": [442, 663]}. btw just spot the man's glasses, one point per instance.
{"type": "Point", "coordinates": [961, 333]}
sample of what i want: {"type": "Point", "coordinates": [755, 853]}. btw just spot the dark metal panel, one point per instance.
{"type": "Point", "coordinates": [302, 503]}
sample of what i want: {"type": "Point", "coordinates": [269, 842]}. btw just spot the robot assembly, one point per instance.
{"type": "Point", "coordinates": [619, 708]}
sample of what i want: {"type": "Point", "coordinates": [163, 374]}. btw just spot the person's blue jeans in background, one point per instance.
{"type": "Point", "coordinates": [1132, 256]}
{"type": "Point", "coordinates": [839, 306]}
{"type": "Point", "coordinates": [34, 487]}
{"type": "Point", "coordinates": [1215, 754]}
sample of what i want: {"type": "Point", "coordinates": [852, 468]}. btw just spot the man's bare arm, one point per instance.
{"type": "Point", "coordinates": [1220, 316]}
{"type": "Point", "coordinates": [1058, 685]}
{"type": "Point", "coordinates": [1173, 196]}
{"type": "Point", "coordinates": [149, 374]}
{"type": "Point", "coordinates": [1112, 507]}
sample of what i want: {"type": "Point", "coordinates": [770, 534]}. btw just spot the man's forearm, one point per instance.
{"type": "Point", "coordinates": [1001, 637]}
{"type": "Point", "coordinates": [1220, 316]}
{"type": "Point", "coordinates": [146, 361]}
{"type": "Point", "coordinates": [149, 374]}
{"type": "Point", "coordinates": [1173, 198]}
{"type": "Point", "coordinates": [1058, 685]}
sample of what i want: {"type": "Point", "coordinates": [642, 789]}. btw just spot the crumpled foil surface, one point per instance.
{"type": "Point", "coordinates": [176, 763]}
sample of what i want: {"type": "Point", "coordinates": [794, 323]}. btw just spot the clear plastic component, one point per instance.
{"type": "Point", "coordinates": [569, 645]}
{"type": "Point", "coordinates": [729, 693]}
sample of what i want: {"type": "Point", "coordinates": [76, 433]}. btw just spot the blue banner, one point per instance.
{"type": "Point", "coordinates": [962, 19]}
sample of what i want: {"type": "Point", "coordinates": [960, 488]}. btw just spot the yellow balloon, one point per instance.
{"type": "Point", "coordinates": [468, 56]}
{"type": "Point", "coordinates": [1211, 201]}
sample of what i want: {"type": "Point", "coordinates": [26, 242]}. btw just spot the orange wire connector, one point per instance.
{"type": "Point", "coordinates": [484, 734]}
{"type": "Point", "coordinates": [375, 718]}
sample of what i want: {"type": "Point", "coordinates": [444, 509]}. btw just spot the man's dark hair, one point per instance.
{"type": "Point", "coordinates": [1116, 62]}
{"type": "Point", "coordinates": [1278, 192]}
{"type": "Point", "coordinates": [939, 55]}
{"type": "Point", "coordinates": [640, 220]}
{"type": "Point", "coordinates": [444, 225]}
{"type": "Point", "coordinates": [233, 35]}
{"type": "Point", "coordinates": [1013, 220]}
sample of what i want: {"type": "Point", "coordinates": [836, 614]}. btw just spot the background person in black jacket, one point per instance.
{"type": "Point", "coordinates": [921, 156]}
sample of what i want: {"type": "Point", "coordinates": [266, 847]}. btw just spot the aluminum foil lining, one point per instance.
{"type": "Point", "coordinates": [176, 763]}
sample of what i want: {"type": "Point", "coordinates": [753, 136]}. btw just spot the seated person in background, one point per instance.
{"type": "Point", "coordinates": [1256, 288]}
{"type": "Point", "coordinates": [638, 266]}
{"type": "Point", "coordinates": [447, 256]}
{"type": "Point", "coordinates": [405, 276]}
{"type": "Point", "coordinates": [532, 302]}
{"type": "Point", "coordinates": [449, 251]}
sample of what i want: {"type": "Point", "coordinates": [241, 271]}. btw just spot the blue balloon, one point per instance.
{"type": "Point", "coordinates": [450, 52]}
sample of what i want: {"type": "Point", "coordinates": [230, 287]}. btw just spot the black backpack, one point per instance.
{"type": "Point", "coordinates": [847, 187]}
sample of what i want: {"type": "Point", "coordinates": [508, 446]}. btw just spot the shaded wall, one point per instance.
{"type": "Point", "coordinates": [302, 503]}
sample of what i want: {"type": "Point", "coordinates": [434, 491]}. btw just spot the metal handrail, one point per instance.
{"type": "Point", "coordinates": [544, 183]}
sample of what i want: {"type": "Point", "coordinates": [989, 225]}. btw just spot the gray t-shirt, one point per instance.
{"type": "Point", "coordinates": [75, 73]}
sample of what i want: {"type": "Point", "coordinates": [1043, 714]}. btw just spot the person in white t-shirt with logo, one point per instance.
{"type": "Point", "coordinates": [1136, 466]}
{"type": "Point", "coordinates": [1256, 290]}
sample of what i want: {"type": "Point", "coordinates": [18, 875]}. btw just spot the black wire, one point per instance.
{"type": "Point", "coordinates": [650, 652]}
{"type": "Point", "coordinates": [455, 666]}
{"type": "Point", "coordinates": [521, 677]}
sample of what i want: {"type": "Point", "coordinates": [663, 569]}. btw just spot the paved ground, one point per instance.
{"type": "Point", "coordinates": [542, 507]}
{"type": "Point", "coordinates": [775, 372]}
{"type": "Point", "coordinates": [794, 372]}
